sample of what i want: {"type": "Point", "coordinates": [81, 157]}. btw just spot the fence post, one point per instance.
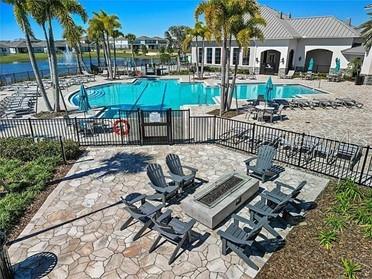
{"type": "Point", "coordinates": [214, 129]}
{"type": "Point", "coordinates": [302, 144]}
{"type": "Point", "coordinates": [253, 135]}
{"type": "Point", "coordinates": [364, 164]}
{"type": "Point", "coordinates": [31, 129]}
{"type": "Point", "coordinates": [169, 124]}
{"type": "Point", "coordinates": [63, 151]}
{"type": "Point", "coordinates": [6, 270]}
{"type": "Point", "coordinates": [77, 130]}
{"type": "Point", "coordinates": [121, 129]}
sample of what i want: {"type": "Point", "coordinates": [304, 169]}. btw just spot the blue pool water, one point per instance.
{"type": "Point", "coordinates": [153, 94]}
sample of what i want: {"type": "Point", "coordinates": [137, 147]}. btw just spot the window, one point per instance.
{"type": "Point", "coordinates": [200, 55]}
{"type": "Point", "coordinates": [209, 55]}
{"type": "Point", "coordinates": [246, 56]}
{"type": "Point", "coordinates": [236, 52]}
{"type": "Point", "coordinates": [217, 55]}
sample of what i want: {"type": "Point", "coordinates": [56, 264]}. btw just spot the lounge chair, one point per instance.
{"type": "Point", "coordinates": [237, 135]}
{"type": "Point", "coordinates": [178, 172]}
{"type": "Point", "coordinates": [277, 195]}
{"type": "Point", "coordinates": [266, 138]}
{"type": "Point", "coordinates": [263, 170]}
{"type": "Point", "coordinates": [173, 230]}
{"type": "Point", "coordinates": [300, 103]}
{"type": "Point", "coordinates": [309, 75]}
{"type": "Point", "coordinates": [279, 112]}
{"type": "Point", "coordinates": [289, 75]}
{"type": "Point", "coordinates": [350, 152]}
{"type": "Point", "coordinates": [241, 240]}
{"type": "Point", "coordinates": [141, 213]}
{"type": "Point", "coordinates": [166, 190]}
{"type": "Point", "coordinates": [348, 102]}
{"type": "Point", "coordinates": [304, 145]}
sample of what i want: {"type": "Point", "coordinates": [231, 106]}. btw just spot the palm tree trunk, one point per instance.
{"type": "Point", "coordinates": [197, 56]}
{"type": "Point", "coordinates": [81, 55]}
{"type": "Point", "coordinates": [223, 76]}
{"type": "Point", "coordinates": [232, 89]}
{"type": "Point", "coordinates": [98, 54]}
{"type": "Point", "coordinates": [202, 63]}
{"type": "Point", "coordinates": [133, 61]}
{"type": "Point", "coordinates": [78, 61]}
{"type": "Point", "coordinates": [227, 72]}
{"type": "Point", "coordinates": [35, 69]}
{"type": "Point", "coordinates": [178, 61]}
{"type": "Point", "coordinates": [108, 60]}
{"type": "Point", "coordinates": [57, 106]}
{"type": "Point", "coordinates": [51, 73]}
{"type": "Point", "coordinates": [109, 54]}
{"type": "Point", "coordinates": [114, 59]}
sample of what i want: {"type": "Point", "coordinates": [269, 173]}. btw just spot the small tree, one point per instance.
{"type": "Point", "coordinates": [144, 49]}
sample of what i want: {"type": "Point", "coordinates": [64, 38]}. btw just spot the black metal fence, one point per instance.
{"type": "Point", "coordinates": [330, 157]}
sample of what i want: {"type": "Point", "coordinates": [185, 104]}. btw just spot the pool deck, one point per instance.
{"type": "Point", "coordinates": [95, 247]}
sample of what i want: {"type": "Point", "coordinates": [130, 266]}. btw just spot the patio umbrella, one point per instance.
{"type": "Point", "coordinates": [311, 65]}
{"type": "Point", "coordinates": [338, 65]}
{"type": "Point", "coordinates": [269, 89]}
{"type": "Point", "coordinates": [83, 100]}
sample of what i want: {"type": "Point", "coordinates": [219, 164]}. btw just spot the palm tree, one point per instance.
{"type": "Point", "coordinates": [204, 33]}
{"type": "Point", "coordinates": [115, 34]}
{"type": "Point", "coordinates": [220, 16]}
{"type": "Point", "coordinates": [73, 35]}
{"type": "Point", "coordinates": [131, 39]}
{"type": "Point", "coordinates": [144, 50]}
{"type": "Point", "coordinates": [94, 34]}
{"type": "Point", "coordinates": [367, 32]}
{"type": "Point", "coordinates": [21, 11]}
{"type": "Point", "coordinates": [62, 11]}
{"type": "Point", "coordinates": [175, 37]}
{"type": "Point", "coordinates": [191, 34]}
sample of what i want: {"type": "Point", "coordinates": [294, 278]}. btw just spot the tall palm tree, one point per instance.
{"type": "Point", "coordinates": [191, 34]}
{"type": "Point", "coordinates": [204, 33]}
{"type": "Point", "coordinates": [175, 37]}
{"type": "Point", "coordinates": [94, 34]}
{"type": "Point", "coordinates": [73, 34]}
{"type": "Point", "coordinates": [21, 11]}
{"type": "Point", "coordinates": [220, 16]}
{"type": "Point", "coordinates": [131, 39]}
{"type": "Point", "coordinates": [367, 31]}
{"type": "Point", "coordinates": [62, 11]}
{"type": "Point", "coordinates": [115, 34]}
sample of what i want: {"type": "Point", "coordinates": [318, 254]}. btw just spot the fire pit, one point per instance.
{"type": "Point", "coordinates": [216, 201]}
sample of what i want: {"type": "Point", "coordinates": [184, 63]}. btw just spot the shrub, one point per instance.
{"type": "Point", "coordinates": [350, 268]}
{"type": "Point", "coordinates": [327, 238]}
{"type": "Point", "coordinates": [337, 223]}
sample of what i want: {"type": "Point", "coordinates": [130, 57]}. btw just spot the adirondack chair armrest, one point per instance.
{"type": "Point", "coordinates": [248, 161]}
{"type": "Point", "coordinates": [168, 177]}
{"type": "Point", "coordinates": [158, 189]}
{"type": "Point", "coordinates": [167, 215]}
{"type": "Point", "coordinates": [175, 177]}
{"type": "Point", "coordinates": [156, 209]}
{"type": "Point", "coordinates": [279, 186]}
{"type": "Point", "coordinates": [137, 199]}
{"type": "Point", "coordinates": [189, 225]}
{"type": "Point", "coordinates": [193, 170]}
{"type": "Point", "coordinates": [232, 238]}
{"type": "Point", "coordinates": [243, 220]}
{"type": "Point", "coordinates": [259, 211]}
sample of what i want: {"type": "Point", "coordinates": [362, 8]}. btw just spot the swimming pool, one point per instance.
{"type": "Point", "coordinates": [157, 94]}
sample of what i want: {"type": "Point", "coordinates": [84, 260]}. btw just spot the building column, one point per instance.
{"type": "Point", "coordinates": [283, 63]}
{"type": "Point", "coordinates": [366, 70]}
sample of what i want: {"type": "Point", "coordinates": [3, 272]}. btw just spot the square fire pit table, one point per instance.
{"type": "Point", "coordinates": [214, 202]}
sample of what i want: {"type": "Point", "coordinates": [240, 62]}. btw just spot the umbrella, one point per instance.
{"type": "Point", "coordinates": [311, 65]}
{"type": "Point", "coordinates": [83, 100]}
{"type": "Point", "coordinates": [269, 89]}
{"type": "Point", "coordinates": [338, 65]}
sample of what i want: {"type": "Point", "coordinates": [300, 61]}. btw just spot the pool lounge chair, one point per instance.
{"type": "Point", "coordinates": [172, 230]}
{"type": "Point", "coordinates": [179, 172]}
{"type": "Point", "coordinates": [165, 190]}
{"type": "Point", "coordinates": [237, 135]}
{"type": "Point", "coordinates": [309, 75]}
{"type": "Point", "coordinates": [289, 75]}
{"type": "Point", "coordinates": [141, 210]}
{"type": "Point", "coordinates": [242, 240]}
{"type": "Point", "coordinates": [300, 103]}
{"type": "Point", "coordinates": [263, 169]}
{"type": "Point", "coordinates": [304, 145]}
{"type": "Point", "coordinates": [349, 102]}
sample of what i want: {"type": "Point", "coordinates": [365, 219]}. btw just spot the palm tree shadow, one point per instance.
{"type": "Point", "coordinates": [123, 162]}
{"type": "Point", "coordinates": [35, 266]}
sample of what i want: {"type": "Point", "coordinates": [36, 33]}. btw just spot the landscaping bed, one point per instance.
{"type": "Point", "coordinates": [226, 114]}
{"type": "Point", "coordinates": [27, 172]}
{"type": "Point", "coordinates": [334, 241]}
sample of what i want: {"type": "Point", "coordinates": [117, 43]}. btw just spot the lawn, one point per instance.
{"type": "Point", "coordinates": [26, 168]}
{"type": "Point", "coordinates": [334, 241]}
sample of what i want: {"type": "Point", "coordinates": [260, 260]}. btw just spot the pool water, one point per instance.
{"type": "Point", "coordinates": [155, 94]}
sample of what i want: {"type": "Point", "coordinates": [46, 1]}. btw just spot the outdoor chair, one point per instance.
{"type": "Point", "coordinates": [289, 75]}
{"type": "Point", "coordinates": [279, 112]}
{"type": "Point", "coordinates": [263, 169]}
{"type": "Point", "coordinates": [237, 135]}
{"type": "Point", "coordinates": [241, 240]}
{"type": "Point", "coordinates": [348, 102]}
{"type": "Point", "coordinates": [349, 152]}
{"type": "Point", "coordinates": [179, 172]}
{"type": "Point", "coordinates": [165, 190]}
{"type": "Point", "coordinates": [309, 75]}
{"type": "Point", "coordinates": [300, 103]}
{"type": "Point", "coordinates": [267, 207]}
{"type": "Point", "coordinates": [277, 195]}
{"type": "Point", "coordinates": [141, 210]}
{"type": "Point", "coordinates": [172, 230]}
{"type": "Point", "coordinates": [301, 144]}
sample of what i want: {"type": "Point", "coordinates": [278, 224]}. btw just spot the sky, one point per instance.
{"type": "Point", "coordinates": [153, 17]}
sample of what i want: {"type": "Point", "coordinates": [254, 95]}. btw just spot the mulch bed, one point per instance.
{"type": "Point", "coordinates": [60, 173]}
{"type": "Point", "coordinates": [226, 114]}
{"type": "Point", "coordinates": [304, 257]}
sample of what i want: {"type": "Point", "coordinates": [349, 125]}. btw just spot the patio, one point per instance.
{"type": "Point", "coordinates": [94, 246]}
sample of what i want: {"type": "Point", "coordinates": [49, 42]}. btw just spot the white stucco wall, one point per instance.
{"type": "Point", "coordinates": [367, 64]}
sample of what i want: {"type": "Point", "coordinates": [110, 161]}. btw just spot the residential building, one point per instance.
{"type": "Point", "coordinates": [152, 43]}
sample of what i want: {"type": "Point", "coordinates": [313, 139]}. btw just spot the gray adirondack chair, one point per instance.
{"type": "Point", "coordinates": [173, 230]}
{"type": "Point", "coordinates": [142, 212]}
{"type": "Point", "coordinates": [158, 182]}
{"type": "Point", "coordinates": [241, 240]}
{"type": "Point", "coordinates": [277, 195]}
{"type": "Point", "coordinates": [263, 209]}
{"type": "Point", "coordinates": [264, 163]}
{"type": "Point", "coordinates": [179, 172]}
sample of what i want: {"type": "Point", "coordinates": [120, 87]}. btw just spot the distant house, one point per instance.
{"type": "Point", "coordinates": [152, 43]}
{"type": "Point", "coordinates": [290, 43]}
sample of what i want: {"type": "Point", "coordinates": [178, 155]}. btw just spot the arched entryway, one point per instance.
{"type": "Point", "coordinates": [269, 63]}
{"type": "Point", "coordinates": [322, 60]}
{"type": "Point", "coordinates": [290, 60]}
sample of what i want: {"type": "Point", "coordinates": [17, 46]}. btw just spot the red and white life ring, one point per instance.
{"type": "Point", "coordinates": [121, 127]}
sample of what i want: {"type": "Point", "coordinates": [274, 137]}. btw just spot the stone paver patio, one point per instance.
{"type": "Point", "coordinates": [94, 246]}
